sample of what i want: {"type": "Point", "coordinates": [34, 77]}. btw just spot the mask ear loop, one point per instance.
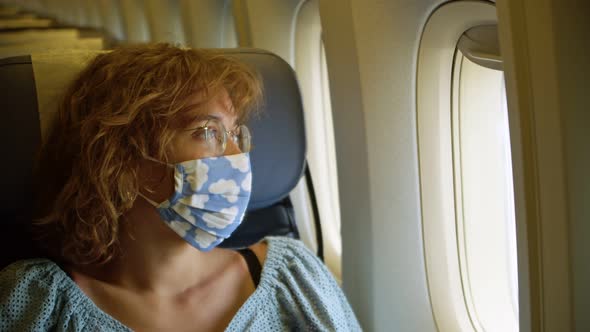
{"type": "Point", "coordinates": [154, 204]}
{"type": "Point", "coordinates": [157, 161]}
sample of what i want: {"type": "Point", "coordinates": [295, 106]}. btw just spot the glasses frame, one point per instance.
{"type": "Point", "coordinates": [225, 134]}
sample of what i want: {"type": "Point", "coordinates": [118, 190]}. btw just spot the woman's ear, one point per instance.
{"type": "Point", "coordinates": [152, 175]}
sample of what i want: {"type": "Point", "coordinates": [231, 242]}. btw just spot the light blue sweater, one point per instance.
{"type": "Point", "coordinates": [296, 293]}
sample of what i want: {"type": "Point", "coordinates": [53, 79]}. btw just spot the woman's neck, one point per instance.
{"type": "Point", "coordinates": [155, 260]}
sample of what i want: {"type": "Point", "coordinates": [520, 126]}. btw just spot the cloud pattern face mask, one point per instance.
{"type": "Point", "coordinates": [210, 199]}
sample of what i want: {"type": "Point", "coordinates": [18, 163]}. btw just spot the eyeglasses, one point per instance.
{"type": "Point", "coordinates": [213, 137]}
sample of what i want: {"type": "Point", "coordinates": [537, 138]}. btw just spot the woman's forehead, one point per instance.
{"type": "Point", "coordinates": [202, 96]}
{"type": "Point", "coordinates": [215, 101]}
{"type": "Point", "coordinates": [218, 106]}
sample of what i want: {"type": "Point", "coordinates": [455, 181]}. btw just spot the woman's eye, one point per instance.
{"type": "Point", "coordinates": [200, 133]}
{"type": "Point", "coordinates": [215, 132]}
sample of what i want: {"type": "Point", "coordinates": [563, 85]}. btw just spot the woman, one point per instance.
{"type": "Point", "coordinates": [145, 173]}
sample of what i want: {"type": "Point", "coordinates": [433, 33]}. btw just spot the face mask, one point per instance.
{"type": "Point", "coordinates": [210, 199]}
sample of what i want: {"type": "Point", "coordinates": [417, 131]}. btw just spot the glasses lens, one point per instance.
{"type": "Point", "coordinates": [243, 138]}
{"type": "Point", "coordinates": [215, 136]}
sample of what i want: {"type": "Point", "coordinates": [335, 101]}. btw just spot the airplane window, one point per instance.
{"type": "Point", "coordinates": [466, 190]}
{"type": "Point", "coordinates": [484, 198]}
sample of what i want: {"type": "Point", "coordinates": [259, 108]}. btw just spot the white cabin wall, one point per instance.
{"type": "Point", "coordinates": [350, 137]}
{"type": "Point", "coordinates": [371, 49]}
{"type": "Point", "coordinates": [269, 25]}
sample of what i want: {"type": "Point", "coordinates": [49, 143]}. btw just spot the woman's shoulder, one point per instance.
{"type": "Point", "coordinates": [288, 248]}
{"type": "Point", "coordinates": [37, 295]}
{"type": "Point", "coordinates": [288, 255]}
{"type": "Point", "coordinates": [26, 266]}
{"type": "Point", "coordinates": [23, 274]}
{"type": "Point", "coordinates": [290, 259]}
{"type": "Point", "coordinates": [29, 290]}
{"type": "Point", "coordinates": [303, 288]}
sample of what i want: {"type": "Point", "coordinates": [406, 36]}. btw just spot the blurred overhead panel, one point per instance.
{"type": "Point", "coordinates": [92, 13]}
{"type": "Point", "coordinates": [110, 13]}
{"type": "Point", "coordinates": [242, 23]}
{"type": "Point", "coordinates": [79, 17]}
{"type": "Point", "coordinates": [135, 22]}
{"type": "Point", "coordinates": [50, 9]}
{"type": "Point", "coordinates": [64, 11]}
{"type": "Point", "coordinates": [165, 21]}
{"type": "Point", "coordinates": [208, 23]}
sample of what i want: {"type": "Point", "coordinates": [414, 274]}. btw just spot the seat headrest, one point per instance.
{"type": "Point", "coordinates": [31, 86]}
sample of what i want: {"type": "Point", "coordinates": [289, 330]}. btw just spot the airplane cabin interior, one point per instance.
{"type": "Point", "coordinates": [432, 155]}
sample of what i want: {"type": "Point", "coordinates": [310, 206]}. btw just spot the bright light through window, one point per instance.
{"type": "Point", "coordinates": [484, 197]}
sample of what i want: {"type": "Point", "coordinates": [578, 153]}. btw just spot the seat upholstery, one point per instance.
{"type": "Point", "coordinates": [30, 87]}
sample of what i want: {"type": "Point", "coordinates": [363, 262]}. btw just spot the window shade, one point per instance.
{"type": "Point", "coordinates": [480, 45]}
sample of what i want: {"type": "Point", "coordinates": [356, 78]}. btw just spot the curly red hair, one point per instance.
{"type": "Point", "coordinates": [126, 104]}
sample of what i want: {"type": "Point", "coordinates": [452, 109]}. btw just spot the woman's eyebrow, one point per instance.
{"type": "Point", "coordinates": [202, 117]}
{"type": "Point", "coordinates": [206, 117]}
